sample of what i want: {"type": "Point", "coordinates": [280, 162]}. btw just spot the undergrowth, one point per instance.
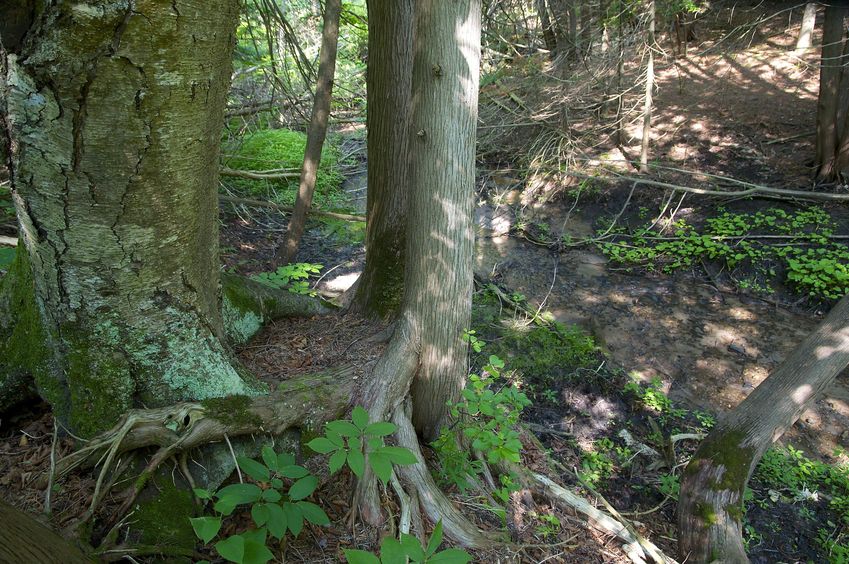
{"type": "Point", "coordinates": [283, 149]}
{"type": "Point", "coordinates": [753, 248]}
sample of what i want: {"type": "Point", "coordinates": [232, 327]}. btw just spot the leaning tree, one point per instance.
{"type": "Point", "coordinates": [710, 509]}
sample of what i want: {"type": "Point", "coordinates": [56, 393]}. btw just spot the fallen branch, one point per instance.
{"type": "Point", "coordinates": [257, 175]}
{"type": "Point", "coordinates": [634, 547]}
{"type": "Point", "coordinates": [272, 205]}
{"type": "Point", "coordinates": [755, 190]}
{"type": "Point", "coordinates": [8, 241]}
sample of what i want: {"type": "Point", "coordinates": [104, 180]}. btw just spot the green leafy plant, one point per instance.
{"type": "Point", "coordinates": [490, 415]}
{"type": "Point", "coordinates": [358, 442]}
{"type": "Point", "coordinates": [670, 485]}
{"type": "Point", "coordinates": [549, 524]}
{"type": "Point", "coordinates": [283, 149]}
{"type": "Point", "coordinates": [596, 464]}
{"type": "Point", "coordinates": [409, 549]}
{"type": "Point", "coordinates": [471, 337]}
{"type": "Point", "coordinates": [811, 261]}
{"type": "Point", "coordinates": [293, 277]}
{"type": "Point", "coordinates": [278, 504]}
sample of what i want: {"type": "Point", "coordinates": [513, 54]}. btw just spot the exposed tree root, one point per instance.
{"type": "Point", "coordinates": [305, 402]}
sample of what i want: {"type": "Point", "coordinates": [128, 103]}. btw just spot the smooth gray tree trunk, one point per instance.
{"type": "Point", "coordinates": [438, 293]}
{"type": "Point", "coordinates": [806, 30]}
{"type": "Point", "coordinates": [647, 107]}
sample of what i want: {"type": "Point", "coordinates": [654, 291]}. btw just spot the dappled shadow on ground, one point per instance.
{"type": "Point", "coordinates": [709, 347]}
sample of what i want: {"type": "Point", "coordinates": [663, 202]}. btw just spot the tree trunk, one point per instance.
{"type": "Point", "coordinates": [806, 30]}
{"type": "Point", "coordinates": [710, 506]}
{"type": "Point", "coordinates": [23, 539]}
{"type": "Point", "coordinates": [831, 69]}
{"type": "Point", "coordinates": [442, 171]}
{"type": "Point", "coordinates": [389, 82]}
{"type": "Point", "coordinates": [426, 355]}
{"type": "Point", "coordinates": [317, 131]}
{"type": "Point", "coordinates": [647, 108]}
{"type": "Point", "coordinates": [548, 35]}
{"type": "Point", "coordinates": [120, 224]}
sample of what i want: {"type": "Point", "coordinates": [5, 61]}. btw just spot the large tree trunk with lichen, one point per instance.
{"type": "Point", "coordinates": [388, 78]}
{"type": "Point", "coordinates": [710, 506]}
{"type": "Point", "coordinates": [114, 112]}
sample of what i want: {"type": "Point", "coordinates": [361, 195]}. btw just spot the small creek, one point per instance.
{"type": "Point", "coordinates": [709, 348]}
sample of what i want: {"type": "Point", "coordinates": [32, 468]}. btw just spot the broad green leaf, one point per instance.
{"type": "Point", "coordinates": [303, 488]}
{"type": "Point", "coordinates": [360, 417]}
{"type": "Point", "coordinates": [285, 459]}
{"type": "Point", "coordinates": [271, 495]}
{"type": "Point", "coordinates": [259, 513]}
{"type": "Point", "coordinates": [225, 506]}
{"type": "Point", "coordinates": [322, 445]}
{"type": "Point", "coordinates": [344, 428]}
{"type": "Point", "coordinates": [435, 540]}
{"type": "Point", "coordinates": [254, 469]}
{"type": "Point", "coordinates": [450, 556]}
{"type": "Point", "coordinates": [360, 557]}
{"type": "Point", "coordinates": [256, 553]}
{"type": "Point", "coordinates": [412, 547]}
{"type": "Point", "coordinates": [202, 493]}
{"type": "Point", "coordinates": [231, 549]}
{"type": "Point", "coordinates": [206, 527]}
{"type": "Point", "coordinates": [269, 457]}
{"type": "Point", "coordinates": [255, 550]}
{"type": "Point", "coordinates": [294, 471]}
{"type": "Point", "coordinates": [337, 460]}
{"type": "Point", "coordinates": [380, 429]}
{"type": "Point", "coordinates": [381, 466]}
{"type": "Point", "coordinates": [399, 455]}
{"type": "Point", "coordinates": [392, 552]}
{"type": "Point", "coordinates": [335, 438]}
{"type": "Point", "coordinates": [276, 483]}
{"type": "Point", "coordinates": [356, 461]}
{"type": "Point", "coordinates": [313, 513]}
{"type": "Point", "coordinates": [276, 521]}
{"type": "Point", "coordinates": [241, 493]}
{"type": "Point", "coordinates": [294, 518]}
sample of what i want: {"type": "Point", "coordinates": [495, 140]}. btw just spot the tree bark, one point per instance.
{"type": "Point", "coordinates": [120, 224]}
{"type": "Point", "coordinates": [831, 69]}
{"type": "Point", "coordinates": [548, 34]}
{"type": "Point", "coordinates": [442, 170]}
{"type": "Point", "coordinates": [23, 539]}
{"type": "Point", "coordinates": [389, 83]}
{"type": "Point", "coordinates": [647, 108]}
{"type": "Point", "coordinates": [806, 30]}
{"type": "Point", "coordinates": [317, 131]}
{"type": "Point", "coordinates": [710, 506]}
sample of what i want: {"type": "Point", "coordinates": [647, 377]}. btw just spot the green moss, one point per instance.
{"type": "Point", "coordinates": [232, 410]}
{"type": "Point", "coordinates": [99, 381]}
{"type": "Point", "coordinates": [24, 356]}
{"type": "Point", "coordinates": [241, 322]}
{"type": "Point", "coordinates": [284, 149]}
{"type": "Point", "coordinates": [706, 512]}
{"type": "Point", "coordinates": [164, 519]}
{"type": "Point", "coordinates": [542, 354]}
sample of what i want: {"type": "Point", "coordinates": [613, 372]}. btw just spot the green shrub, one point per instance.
{"type": "Point", "coordinates": [272, 149]}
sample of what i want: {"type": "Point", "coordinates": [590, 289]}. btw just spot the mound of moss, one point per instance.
{"type": "Point", "coordinates": [273, 149]}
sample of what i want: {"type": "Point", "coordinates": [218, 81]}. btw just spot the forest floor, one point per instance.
{"type": "Point", "coordinates": [696, 341]}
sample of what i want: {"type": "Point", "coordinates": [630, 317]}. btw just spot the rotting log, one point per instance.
{"type": "Point", "coordinates": [23, 539]}
{"type": "Point", "coordinates": [710, 507]}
